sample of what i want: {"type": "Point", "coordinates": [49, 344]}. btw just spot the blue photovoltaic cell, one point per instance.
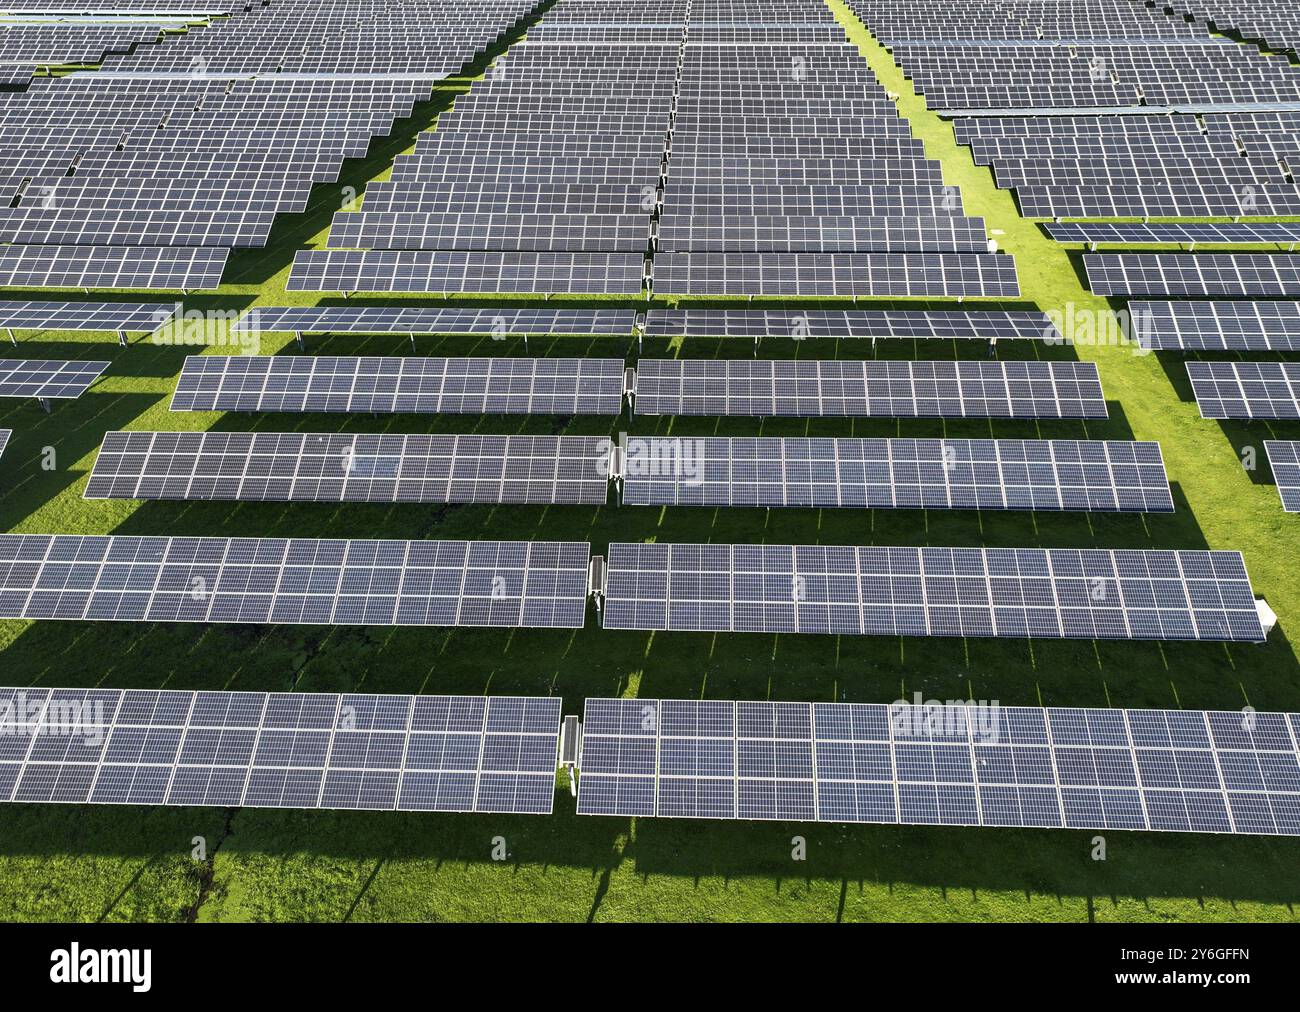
{"type": "Point", "coordinates": [957, 765]}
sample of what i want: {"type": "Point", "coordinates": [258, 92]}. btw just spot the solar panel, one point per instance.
{"type": "Point", "coordinates": [280, 750]}
{"type": "Point", "coordinates": [4, 439]}
{"type": "Point", "coordinates": [1046, 474]}
{"type": "Point", "coordinates": [331, 270]}
{"type": "Point", "coordinates": [380, 384]}
{"type": "Point", "coordinates": [1246, 389]}
{"type": "Point", "coordinates": [294, 581]}
{"type": "Point", "coordinates": [976, 389]}
{"type": "Point", "coordinates": [425, 320]}
{"type": "Point", "coordinates": [964, 765]}
{"type": "Point", "coordinates": [47, 379]}
{"type": "Point", "coordinates": [1185, 197]}
{"type": "Point", "coordinates": [740, 230]}
{"type": "Point", "coordinates": [1202, 274]}
{"type": "Point", "coordinates": [342, 467]}
{"type": "Point", "coordinates": [1217, 326]}
{"type": "Point", "coordinates": [898, 275]}
{"type": "Point", "coordinates": [545, 230]}
{"type": "Point", "coordinates": [1284, 459]}
{"type": "Point", "coordinates": [98, 316]}
{"type": "Point", "coordinates": [188, 268]}
{"type": "Point", "coordinates": [1135, 233]}
{"type": "Point", "coordinates": [921, 325]}
{"type": "Point", "coordinates": [971, 592]}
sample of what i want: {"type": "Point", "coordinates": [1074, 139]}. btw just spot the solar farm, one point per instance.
{"type": "Point", "coordinates": [650, 460]}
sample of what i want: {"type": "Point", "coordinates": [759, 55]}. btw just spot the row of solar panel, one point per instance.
{"type": "Point", "coordinates": [1153, 770]}
{"type": "Point", "coordinates": [901, 275]}
{"type": "Point", "coordinates": [502, 322]}
{"type": "Point", "coordinates": [802, 388]}
{"type": "Point", "coordinates": [874, 591]}
{"type": "Point", "coordinates": [1202, 326]}
{"type": "Point", "coordinates": [280, 750]}
{"type": "Point", "coordinates": [766, 471]}
{"type": "Point", "coordinates": [982, 389]}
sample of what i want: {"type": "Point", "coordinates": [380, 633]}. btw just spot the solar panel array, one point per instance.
{"type": "Point", "coordinates": [1285, 462]}
{"type": "Point", "coordinates": [340, 467]}
{"type": "Point", "coordinates": [455, 271]}
{"type": "Point", "coordinates": [185, 144]}
{"type": "Point", "coordinates": [280, 750]}
{"type": "Point", "coordinates": [1171, 124]}
{"type": "Point", "coordinates": [379, 384]}
{"type": "Point", "coordinates": [756, 155]}
{"type": "Point", "coordinates": [1246, 389]}
{"type": "Point", "coordinates": [971, 389]}
{"type": "Point", "coordinates": [923, 325]}
{"type": "Point", "coordinates": [981, 21]}
{"type": "Point", "coordinates": [422, 320]}
{"type": "Point", "coordinates": [1276, 23]}
{"type": "Point", "coordinates": [1153, 770]}
{"type": "Point", "coordinates": [792, 174]}
{"type": "Point", "coordinates": [819, 275]}
{"type": "Point", "coordinates": [1048, 474]}
{"type": "Point", "coordinates": [1202, 274]}
{"type": "Point", "coordinates": [1108, 74]}
{"type": "Point", "coordinates": [971, 592]}
{"type": "Point", "coordinates": [541, 179]}
{"type": "Point", "coordinates": [1217, 326]}
{"type": "Point", "coordinates": [94, 316]}
{"type": "Point", "coordinates": [122, 267]}
{"type": "Point", "coordinates": [1138, 234]}
{"type": "Point", "coordinates": [1002, 56]}
{"type": "Point", "coordinates": [26, 48]}
{"type": "Point", "coordinates": [1284, 459]}
{"type": "Point", "coordinates": [47, 379]}
{"type": "Point", "coordinates": [675, 147]}
{"type": "Point", "coordinates": [295, 581]}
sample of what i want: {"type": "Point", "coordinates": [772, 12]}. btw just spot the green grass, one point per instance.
{"type": "Point", "coordinates": [75, 863]}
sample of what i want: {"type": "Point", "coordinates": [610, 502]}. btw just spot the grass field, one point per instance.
{"type": "Point", "coordinates": [83, 863]}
